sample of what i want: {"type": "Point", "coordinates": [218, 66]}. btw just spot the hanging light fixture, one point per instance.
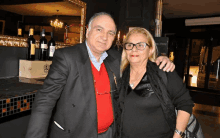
{"type": "Point", "coordinates": [56, 23]}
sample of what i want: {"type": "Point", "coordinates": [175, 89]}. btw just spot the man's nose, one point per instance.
{"type": "Point", "coordinates": [104, 35]}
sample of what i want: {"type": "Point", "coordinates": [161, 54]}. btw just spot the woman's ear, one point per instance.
{"type": "Point", "coordinates": [152, 49]}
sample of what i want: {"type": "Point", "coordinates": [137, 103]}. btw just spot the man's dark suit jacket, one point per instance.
{"type": "Point", "coordinates": [68, 90]}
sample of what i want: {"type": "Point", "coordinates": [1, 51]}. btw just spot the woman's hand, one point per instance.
{"type": "Point", "coordinates": [166, 64]}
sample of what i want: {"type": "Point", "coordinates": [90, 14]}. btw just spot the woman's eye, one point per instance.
{"type": "Point", "coordinates": [141, 45]}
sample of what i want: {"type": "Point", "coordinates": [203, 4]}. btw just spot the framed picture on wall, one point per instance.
{"type": "Point", "coordinates": [72, 38]}
{"type": "Point", "coordinates": [2, 27]}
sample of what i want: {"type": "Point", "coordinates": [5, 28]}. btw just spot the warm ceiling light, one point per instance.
{"type": "Point", "coordinates": [56, 23]}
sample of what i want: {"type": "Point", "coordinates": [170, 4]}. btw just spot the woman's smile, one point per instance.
{"type": "Point", "coordinates": [134, 55]}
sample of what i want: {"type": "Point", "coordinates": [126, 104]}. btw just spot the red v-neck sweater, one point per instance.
{"type": "Point", "coordinates": [103, 98]}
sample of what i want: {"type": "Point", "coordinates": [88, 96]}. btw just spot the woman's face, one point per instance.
{"type": "Point", "coordinates": [136, 56]}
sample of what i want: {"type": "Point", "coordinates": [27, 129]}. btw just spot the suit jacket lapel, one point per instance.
{"type": "Point", "coordinates": [87, 80]}
{"type": "Point", "coordinates": [112, 67]}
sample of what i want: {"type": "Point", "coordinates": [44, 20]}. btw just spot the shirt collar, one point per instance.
{"type": "Point", "coordinates": [93, 59]}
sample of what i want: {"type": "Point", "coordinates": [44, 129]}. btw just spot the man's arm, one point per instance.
{"type": "Point", "coordinates": [46, 97]}
{"type": "Point", "coordinates": [165, 63]}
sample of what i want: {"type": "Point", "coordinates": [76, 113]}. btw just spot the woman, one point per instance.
{"type": "Point", "coordinates": [143, 114]}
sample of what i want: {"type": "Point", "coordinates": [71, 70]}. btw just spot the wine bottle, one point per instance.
{"type": "Point", "coordinates": [51, 47]}
{"type": "Point", "coordinates": [43, 46]}
{"type": "Point", "coordinates": [31, 45]}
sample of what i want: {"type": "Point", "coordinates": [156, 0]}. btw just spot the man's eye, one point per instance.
{"type": "Point", "coordinates": [111, 33]}
{"type": "Point", "coordinates": [99, 30]}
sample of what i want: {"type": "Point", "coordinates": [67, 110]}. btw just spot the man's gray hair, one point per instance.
{"type": "Point", "coordinates": [99, 14]}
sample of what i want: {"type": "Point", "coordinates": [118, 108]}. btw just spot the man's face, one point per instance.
{"type": "Point", "coordinates": [101, 34]}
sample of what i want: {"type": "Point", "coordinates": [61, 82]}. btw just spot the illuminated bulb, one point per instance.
{"type": "Point", "coordinates": [56, 23]}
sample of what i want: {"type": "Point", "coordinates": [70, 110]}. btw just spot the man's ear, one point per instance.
{"type": "Point", "coordinates": [87, 33]}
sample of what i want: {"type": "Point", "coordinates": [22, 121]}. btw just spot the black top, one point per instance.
{"type": "Point", "coordinates": [142, 111]}
{"type": "Point", "coordinates": [143, 116]}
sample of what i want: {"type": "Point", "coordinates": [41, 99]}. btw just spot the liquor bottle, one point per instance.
{"type": "Point", "coordinates": [51, 47]}
{"type": "Point", "coordinates": [172, 50]}
{"type": "Point", "coordinates": [19, 29]}
{"type": "Point", "coordinates": [43, 46]}
{"type": "Point", "coordinates": [31, 45]}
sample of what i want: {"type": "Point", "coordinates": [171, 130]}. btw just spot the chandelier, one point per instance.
{"type": "Point", "coordinates": [56, 23]}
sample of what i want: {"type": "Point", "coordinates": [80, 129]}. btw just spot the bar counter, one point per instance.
{"type": "Point", "coordinates": [17, 94]}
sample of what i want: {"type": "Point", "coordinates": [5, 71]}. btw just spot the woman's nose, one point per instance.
{"type": "Point", "coordinates": [134, 48]}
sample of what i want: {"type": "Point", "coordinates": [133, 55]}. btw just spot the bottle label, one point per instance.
{"type": "Point", "coordinates": [31, 31]}
{"type": "Point", "coordinates": [32, 49]}
{"type": "Point", "coordinates": [52, 50]}
{"type": "Point", "coordinates": [44, 46]}
{"type": "Point", "coordinates": [19, 31]}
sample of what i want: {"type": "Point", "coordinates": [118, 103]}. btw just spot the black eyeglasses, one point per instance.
{"type": "Point", "coordinates": [139, 46]}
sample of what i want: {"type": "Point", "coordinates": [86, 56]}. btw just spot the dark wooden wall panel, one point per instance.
{"type": "Point", "coordinates": [110, 6]}
{"type": "Point", "coordinates": [134, 8]}
{"type": "Point", "coordinates": [136, 13]}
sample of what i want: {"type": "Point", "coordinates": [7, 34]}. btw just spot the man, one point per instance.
{"type": "Point", "coordinates": [76, 100]}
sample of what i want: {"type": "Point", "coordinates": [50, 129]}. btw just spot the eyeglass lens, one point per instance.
{"type": "Point", "coordinates": [139, 46]}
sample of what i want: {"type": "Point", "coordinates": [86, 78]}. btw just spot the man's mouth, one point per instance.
{"type": "Point", "coordinates": [102, 43]}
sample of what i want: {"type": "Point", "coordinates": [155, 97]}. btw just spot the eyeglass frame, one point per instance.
{"type": "Point", "coordinates": [146, 44]}
{"type": "Point", "coordinates": [111, 91]}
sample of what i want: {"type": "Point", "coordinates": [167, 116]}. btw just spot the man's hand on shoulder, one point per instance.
{"type": "Point", "coordinates": [165, 64]}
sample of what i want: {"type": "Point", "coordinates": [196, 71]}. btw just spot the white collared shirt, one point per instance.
{"type": "Point", "coordinates": [93, 59]}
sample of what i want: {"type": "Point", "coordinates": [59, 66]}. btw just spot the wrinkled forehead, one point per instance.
{"type": "Point", "coordinates": [105, 22]}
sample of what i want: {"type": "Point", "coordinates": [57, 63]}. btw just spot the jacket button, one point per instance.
{"type": "Point", "coordinates": [73, 105]}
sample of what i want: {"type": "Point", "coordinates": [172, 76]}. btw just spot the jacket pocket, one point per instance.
{"type": "Point", "coordinates": [58, 125]}
{"type": "Point", "coordinates": [58, 131]}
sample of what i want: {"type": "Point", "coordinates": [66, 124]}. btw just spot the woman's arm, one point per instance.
{"type": "Point", "coordinates": [178, 92]}
{"type": "Point", "coordinates": [181, 99]}
{"type": "Point", "coordinates": [181, 122]}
